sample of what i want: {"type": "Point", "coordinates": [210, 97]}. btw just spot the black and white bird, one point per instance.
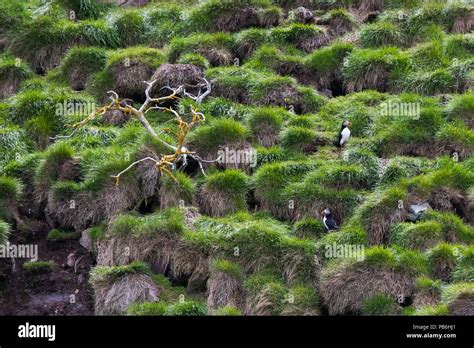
{"type": "Point", "coordinates": [344, 134]}
{"type": "Point", "coordinates": [329, 221]}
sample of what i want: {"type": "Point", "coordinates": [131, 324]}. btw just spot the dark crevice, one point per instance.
{"type": "Point", "coordinates": [181, 280]}
{"type": "Point", "coordinates": [337, 88]}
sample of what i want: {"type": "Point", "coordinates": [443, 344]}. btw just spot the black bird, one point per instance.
{"type": "Point", "coordinates": [126, 102]}
{"type": "Point", "coordinates": [329, 221]}
{"type": "Point", "coordinates": [344, 134]}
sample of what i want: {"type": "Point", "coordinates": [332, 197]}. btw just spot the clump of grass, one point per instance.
{"type": "Point", "coordinates": [380, 34]}
{"type": "Point", "coordinates": [279, 60]}
{"type": "Point", "coordinates": [380, 210]}
{"type": "Point", "coordinates": [367, 160]}
{"type": "Point", "coordinates": [217, 48]}
{"type": "Point", "coordinates": [434, 82]}
{"type": "Point", "coordinates": [224, 192]}
{"type": "Point", "coordinates": [125, 70]}
{"type": "Point", "coordinates": [458, 297]}
{"type": "Point", "coordinates": [441, 185]}
{"type": "Point", "coordinates": [453, 227]}
{"type": "Point", "coordinates": [265, 124]}
{"type": "Point", "coordinates": [270, 155]}
{"type": "Point", "coordinates": [98, 164]}
{"type": "Point", "coordinates": [459, 46]}
{"type": "Point", "coordinates": [457, 18]}
{"type": "Point", "coordinates": [169, 221]}
{"type": "Point", "coordinates": [421, 235]}
{"type": "Point", "coordinates": [166, 22]}
{"type": "Point", "coordinates": [271, 180]}
{"type": "Point", "coordinates": [56, 235]}
{"type": "Point", "coordinates": [218, 132]}
{"type": "Point", "coordinates": [4, 231]}
{"type": "Point", "coordinates": [24, 169]}
{"type": "Point", "coordinates": [464, 270]}
{"type": "Point", "coordinates": [373, 69]}
{"type": "Point", "coordinates": [418, 132]}
{"type": "Point", "coordinates": [44, 41]}
{"type": "Point", "coordinates": [266, 295]}
{"type": "Point", "coordinates": [342, 176]}
{"type": "Point", "coordinates": [361, 116]}
{"type": "Point", "coordinates": [131, 28]}
{"type": "Point", "coordinates": [383, 271]}
{"type": "Point", "coordinates": [222, 107]}
{"type": "Point", "coordinates": [301, 300]}
{"type": "Point", "coordinates": [80, 63]}
{"type": "Point", "coordinates": [104, 274]}
{"type": "Point", "coordinates": [340, 22]}
{"type": "Point", "coordinates": [309, 228]}
{"type": "Point", "coordinates": [110, 283]}
{"type": "Point", "coordinates": [305, 37]}
{"type": "Point", "coordinates": [12, 72]}
{"type": "Point", "coordinates": [195, 59]}
{"type": "Point", "coordinates": [147, 309]}
{"type": "Point", "coordinates": [65, 189]}
{"type": "Point", "coordinates": [97, 233]}
{"type": "Point", "coordinates": [341, 201]}
{"type": "Point", "coordinates": [228, 267]}
{"type": "Point", "coordinates": [14, 144]}
{"type": "Point", "coordinates": [176, 191]}
{"type": "Point", "coordinates": [228, 311]}
{"type": "Point", "coordinates": [429, 56]}
{"type": "Point", "coordinates": [10, 192]}
{"type": "Point", "coordinates": [442, 260]}
{"type": "Point", "coordinates": [169, 292]}
{"type": "Point", "coordinates": [224, 286]}
{"type": "Point", "coordinates": [187, 308]}
{"type": "Point", "coordinates": [440, 309]}
{"type": "Point", "coordinates": [327, 63]}
{"type": "Point", "coordinates": [13, 14]}
{"type": "Point", "coordinates": [48, 170]}
{"type": "Point", "coordinates": [401, 167]}
{"type": "Point", "coordinates": [38, 267]}
{"type": "Point", "coordinates": [428, 286]}
{"type": "Point", "coordinates": [298, 138]}
{"type": "Point", "coordinates": [348, 235]}
{"type": "Point", "coordinates": [84, 9]}
{"type": "Point", "coordinates": [247, 41]}
{"type": "Point", "coordinates": [232, 16]}
{"type": "Point", "coordinates": [42, 113]}
{"type": "Point", "coordinates": [380, 304]}
{"type": "Point", "coordinates": [462, 107]}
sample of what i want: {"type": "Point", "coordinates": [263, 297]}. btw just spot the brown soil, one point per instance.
{"type": "Point", "coordinates": [22, 293]}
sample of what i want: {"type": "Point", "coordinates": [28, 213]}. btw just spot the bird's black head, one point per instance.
{"type": "Point", "coordinates": [125, 102]}
{"type": "Point", "coordinates": [327, 211]}
{"type": "Point", "coordinates": [346, 123]}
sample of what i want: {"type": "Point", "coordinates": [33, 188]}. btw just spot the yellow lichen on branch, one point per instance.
{"type": "Point", "coordinates": [167, 161]}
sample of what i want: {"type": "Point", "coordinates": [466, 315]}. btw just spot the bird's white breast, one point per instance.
{"type": "Point", "coordinates": [324, 221]}
{"type": "Point", "coordinates": [345, 135]}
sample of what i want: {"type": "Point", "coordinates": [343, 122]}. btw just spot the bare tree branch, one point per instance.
{"type": "Point", "coordinates": [180, 152]}
{"type": "Point", "coordinates": [117, 177]}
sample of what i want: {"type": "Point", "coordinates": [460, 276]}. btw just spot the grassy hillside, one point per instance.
{"type": "Point", "coordinates": [244, 235]}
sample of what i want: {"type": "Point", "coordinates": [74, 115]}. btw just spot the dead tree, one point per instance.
{"type": "Point", "coordinates": [179, 152]}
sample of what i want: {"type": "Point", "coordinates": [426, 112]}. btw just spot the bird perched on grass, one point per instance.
{"type": "Point", "coordinates": [344, 134]}
{"type": "Point", "coordinates": [329, 221]}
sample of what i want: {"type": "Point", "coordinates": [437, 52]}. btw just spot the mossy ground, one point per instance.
{"type": "Point", "coordinates": [248, 238]}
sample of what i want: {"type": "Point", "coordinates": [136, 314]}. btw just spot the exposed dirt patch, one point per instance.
{"type": "Point", "coordinates": [64, 291]}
